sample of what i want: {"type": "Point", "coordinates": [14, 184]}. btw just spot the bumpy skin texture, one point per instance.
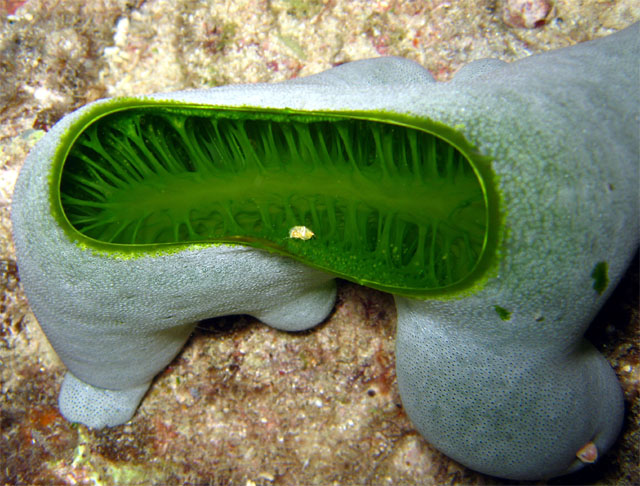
{"type": "Point", "coordinates": [519, 397]}
{"type": "Point", "coordinates": [514, 398]}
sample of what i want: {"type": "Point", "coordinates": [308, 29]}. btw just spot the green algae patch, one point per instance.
{"type": "Point", "coordinates": [600, 276]}
{"type": "Point", "coordinates": [503, 313]}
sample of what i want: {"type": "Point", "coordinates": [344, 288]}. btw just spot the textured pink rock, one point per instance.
{"type": "Point", "coordinates": [528, 14]}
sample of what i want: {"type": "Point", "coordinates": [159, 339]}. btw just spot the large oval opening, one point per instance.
{"type": "Point", "coordinates": [383, 204]}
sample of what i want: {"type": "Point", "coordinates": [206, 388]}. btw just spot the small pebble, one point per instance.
{"type": "Point", "coordinates": [528, 14]}
{"type": "Point", "coordinates": [301, 233]}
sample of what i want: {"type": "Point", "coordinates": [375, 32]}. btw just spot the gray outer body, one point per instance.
{"type": "Point", "coordinates": [514, 398]}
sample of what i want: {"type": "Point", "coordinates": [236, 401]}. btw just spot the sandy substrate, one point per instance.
{"type": "Point", "coordinates": [245, 404]}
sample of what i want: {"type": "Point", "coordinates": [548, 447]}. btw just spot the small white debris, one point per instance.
{"type": "Point", "coordinates": [301, 233]}
{"type": "Point", "coordinates": [122, 31]}
{"type": "Point", "coordinates": [45, 96]}
{"type": "Point", "coordinates": [267, 476]}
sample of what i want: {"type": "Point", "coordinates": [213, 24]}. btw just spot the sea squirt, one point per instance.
{"type": "Point", "coordinates": [500, 209]}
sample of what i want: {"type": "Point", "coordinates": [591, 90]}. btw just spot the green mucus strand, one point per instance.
{"type": "Point", "coordinates": [390, 206]}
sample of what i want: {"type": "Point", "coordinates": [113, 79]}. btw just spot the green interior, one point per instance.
{"type": "Point", "coordinates": [391, 206]}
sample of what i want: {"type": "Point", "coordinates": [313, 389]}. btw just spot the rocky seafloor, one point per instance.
{"type": "Point", "coordinates": [244, 404]}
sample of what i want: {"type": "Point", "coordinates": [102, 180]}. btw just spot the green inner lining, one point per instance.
{"type": "Point", "coordinates": [389, 205]}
